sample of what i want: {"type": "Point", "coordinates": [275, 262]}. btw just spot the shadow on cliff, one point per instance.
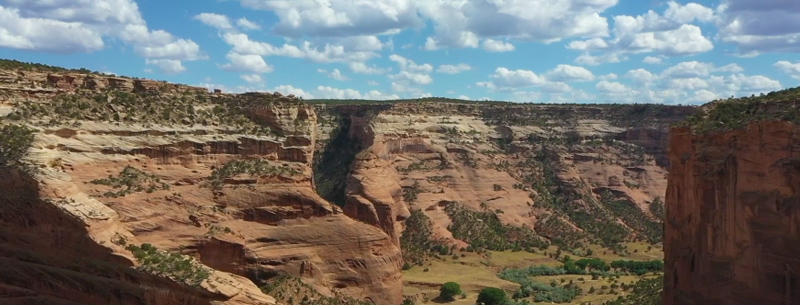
{"type": "Point", "coordinates": [351, 135]}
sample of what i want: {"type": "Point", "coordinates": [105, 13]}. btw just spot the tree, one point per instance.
{"type": "Point", "coordinates": [492, 296]}
{"type": "Point", "coordinates": [449, 290]}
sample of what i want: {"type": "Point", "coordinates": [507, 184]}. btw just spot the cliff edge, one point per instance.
{"type": "Point", "coordinates": [732, 203]}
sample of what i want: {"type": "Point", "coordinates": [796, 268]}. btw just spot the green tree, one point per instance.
{"type": "Point", "coordinates": [492, 296]}
{"type": "Point", "coordinates": [449, 290]}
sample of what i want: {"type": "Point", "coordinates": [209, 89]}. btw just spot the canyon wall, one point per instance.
{"type": "Point", "coordinates": [224, 179]}
{"type": "Point", "coordinates": [732, 216]}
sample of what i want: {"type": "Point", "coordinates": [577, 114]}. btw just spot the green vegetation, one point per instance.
{"type": "Point", "coordinates": [552, 194]}
{"type": "Point", "coordinates": [638, 268]}
{"type": "Point", "coordinates": [115, 106]}
{"type": "Point", "coordinates": [643, 292]}
{"type": "Point", "coordinates": [735, 113]}
{"type": "Point", "coordinates": [492, 296]}
{"type": "Point", "coordinates": [167, 264]}
{"type": "Point", "coordinates": [449, 290]}
{"type": "Point", "coordinates": [633, 217]}
{"type": "Point", "coordinates": [416, 241]}
{"type": "Point", "coordinates": [253, 167]}
{"type": "Point", "coordinates": [131, 180]}
{"type": "Point", "coordinates": [292, 291]}
{"type": "Point", "coordinates": [410, 193]}
{"type": "Point", "coordinates": [10, 64]}
{"type": "Point", "coordinates": [15, 140]}
{"type": "Point", "coordinates": [657, 208]}
{"type": "Point", "coordinates": [484, 231]}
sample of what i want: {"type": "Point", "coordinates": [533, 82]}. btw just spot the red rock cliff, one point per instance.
{"type": "Point", "coordinates": [733, 211]}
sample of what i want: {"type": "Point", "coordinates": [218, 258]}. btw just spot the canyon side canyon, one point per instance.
{"type": "Point", "coordinates": [129, 191]}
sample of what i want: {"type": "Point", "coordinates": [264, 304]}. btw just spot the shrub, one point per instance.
{"type": "Point", "coordinates": [131, 180]}
{"type": "Point", "coordinates": [492, 296]}
{"type": "Point", "coordinates": [449, 290]}
{"type": "Point", "coordinates": [168, 264]}
{"type": "Point", "coordinates": [14, 143]}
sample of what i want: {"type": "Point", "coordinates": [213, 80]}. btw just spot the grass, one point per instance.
{"type": "Point", "coordinates": [475, 271]}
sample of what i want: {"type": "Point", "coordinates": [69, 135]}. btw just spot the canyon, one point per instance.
{"type": "Point", "coordinates": [127, 191]}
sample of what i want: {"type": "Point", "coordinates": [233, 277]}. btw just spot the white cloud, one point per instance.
{"type": "Point", "coordinates": [611, 87]}
{"type": "Point", "coordinates": [492, 45]}
{"type": "Point", "coordinates": [463, 97]}
{"type": "Point", "coordinates": [289, 89]}
{"type": "Point", "coordinates": [247, 24]}
{"type": "Point", "coordinates": [335, 93]}
{"type": "Point", "coordinates": [246, 63]}
{"type": "Point", "coordinates": [251, 78]}
{"type": "Point", "coordinates": [668, 35]}
{"type": "Point", "coordinates": [410, 65]}
{"type": "Point", "coordinates": [729, 68]}
{"type": "Point", "coordinates": [505, 79]}
{"type": "Point", "coordinates": [372, 83]}
{"type": "Point", "coordinates": [168, 66]}
{"type": "Point", "coordinates": [609, 76]}
{"type": "Point", "coordinates": [689, 69]}
{"type": "Point", "coordinates": [329, 53]}
{"type": "Point", "coordinates": [454, 69]}
{"type": "Point", "coordinates": [337, 75]}
{"type": "Point", "coordinates": [67, 26]}
{"type": "Point", "coordinates": [413, 78]}
{"type": "Point", "coordinates": [216, 20]}
{"type": "Point", "coordinates": [570, 74]}
{"type": "Point", "coordinates": [48, 35]}
{"type": "Point", "coordinates": [793, 69]}
{"type": "Point", "coordinates": [652, 60]}
{"type": "Point", "coordinates": [362, 68]}
{"type": "Point", "coordinates": [757, 27]}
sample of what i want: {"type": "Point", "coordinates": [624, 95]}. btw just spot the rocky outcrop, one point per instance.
{"type": "Point", "coordinates": [490, 157]}
{"type": "Point", "coordinates": [731, 228]}
{"type": "Point", "coordinates": [224, 179]}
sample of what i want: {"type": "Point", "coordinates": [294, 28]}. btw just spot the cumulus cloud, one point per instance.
{"type": "Point", "coordinates": [247, 24]}
{"type": "Point", "coordinates": [246, 63]}
{"type": "Point", "coordinates": [251, 78]}
{"type": "Point", "coordinates": [454, 69]}
{"type": "Point", "coordinates": [492, 45]}
{"type": "Point", "coordinates": [66, 26]}
{"type": "Point", "coordinates": [793, 69]}
{"type": "Point", "coordinates": [216, 20]}
{"type": "Point", "coordinates": [611, 87]}
{"type": "Point", "coordinates": [335, 74]}
{"type": "Point", "coordinates": [335, 93]}
{"type": "Point", "coordinates": [168, 66]}
{"type": "Point", "coordinates": [652, 60]}
{"type": "Point", "coordinates": [362, 68]}
{"type": "Point", "coordinates": [242, 44]}
{"type": "Point", "coordinates": [409, 65]}
{"type": "Point", "coordinates": [667, 35]}
{"type": "Point", "coordinates": [756, 27]}
{"type": "Point", "coordinates": [570, 73]}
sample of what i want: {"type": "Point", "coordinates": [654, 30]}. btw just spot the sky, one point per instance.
{"type": "Point", "coordinates": [540, 51]}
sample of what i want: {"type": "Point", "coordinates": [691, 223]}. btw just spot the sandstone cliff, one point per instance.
{"type": "Point", "coordinates": [734, 185]}
{"type": "Point", "coordinates": [225, 179]}
{"type": "Point", "coordinates": [564, 174]}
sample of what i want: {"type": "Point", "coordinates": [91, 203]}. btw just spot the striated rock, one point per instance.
{"type": "Point", "coordinates": [731, 230]}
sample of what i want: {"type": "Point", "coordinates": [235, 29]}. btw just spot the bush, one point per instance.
{"type": "Point", "coordinates": [14, 143]}
{"type": "Point", "coordinates": [168, 264]}
{"type": "Point", "coordinates": [492, 296]}
{"type": "Point", "coordinates": [449, 290]}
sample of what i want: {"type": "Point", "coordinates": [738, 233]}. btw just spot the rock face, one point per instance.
{"type": "Point", "coordinates": [225, 179]}
{"type": "Point", "coordinates": [731, 229]}
{"type": "Point", "coordinates": [424, 155]}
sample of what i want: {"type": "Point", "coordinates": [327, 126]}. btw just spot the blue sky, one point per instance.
{"type": "Point", "coordinates": [625, 51]}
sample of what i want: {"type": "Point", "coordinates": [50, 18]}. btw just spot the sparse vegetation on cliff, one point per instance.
{"type": "Point", "coordinates": [169, 264]}
{"type": "Point", "coordinates": [186, 109]}
{"type": "Point", "coordinates": [292, 291]}
{"type": "Point", "coordinates": [15, 140]}
{"type": "Point", "coordinates": [417, 242]}
{"type": "Point", "coordinates": [633, 217]}
{"type": "Point", "coordinates": [484, 231]}
{"type": "Point", "coordinates": [252, 167]}
{"type": "Point", "coordinates": [643, 292]}
{"type": "Point", "coordinates": [723, 115]}
{"type": "Point", "coordinates": [10, 64]}
{"type": "Point", "coordinates": [131, 180]}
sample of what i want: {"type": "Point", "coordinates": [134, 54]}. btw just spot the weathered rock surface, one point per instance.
{"type": "Point", "coordinates": [61, 230]}
{"type": "Point", "coordinates": [731, 231]}
{"type": "Point", "coordinates": [423, 155]}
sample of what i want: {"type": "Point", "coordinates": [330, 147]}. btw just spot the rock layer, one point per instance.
{"type": "Point", "coordinates": [731, 232]}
